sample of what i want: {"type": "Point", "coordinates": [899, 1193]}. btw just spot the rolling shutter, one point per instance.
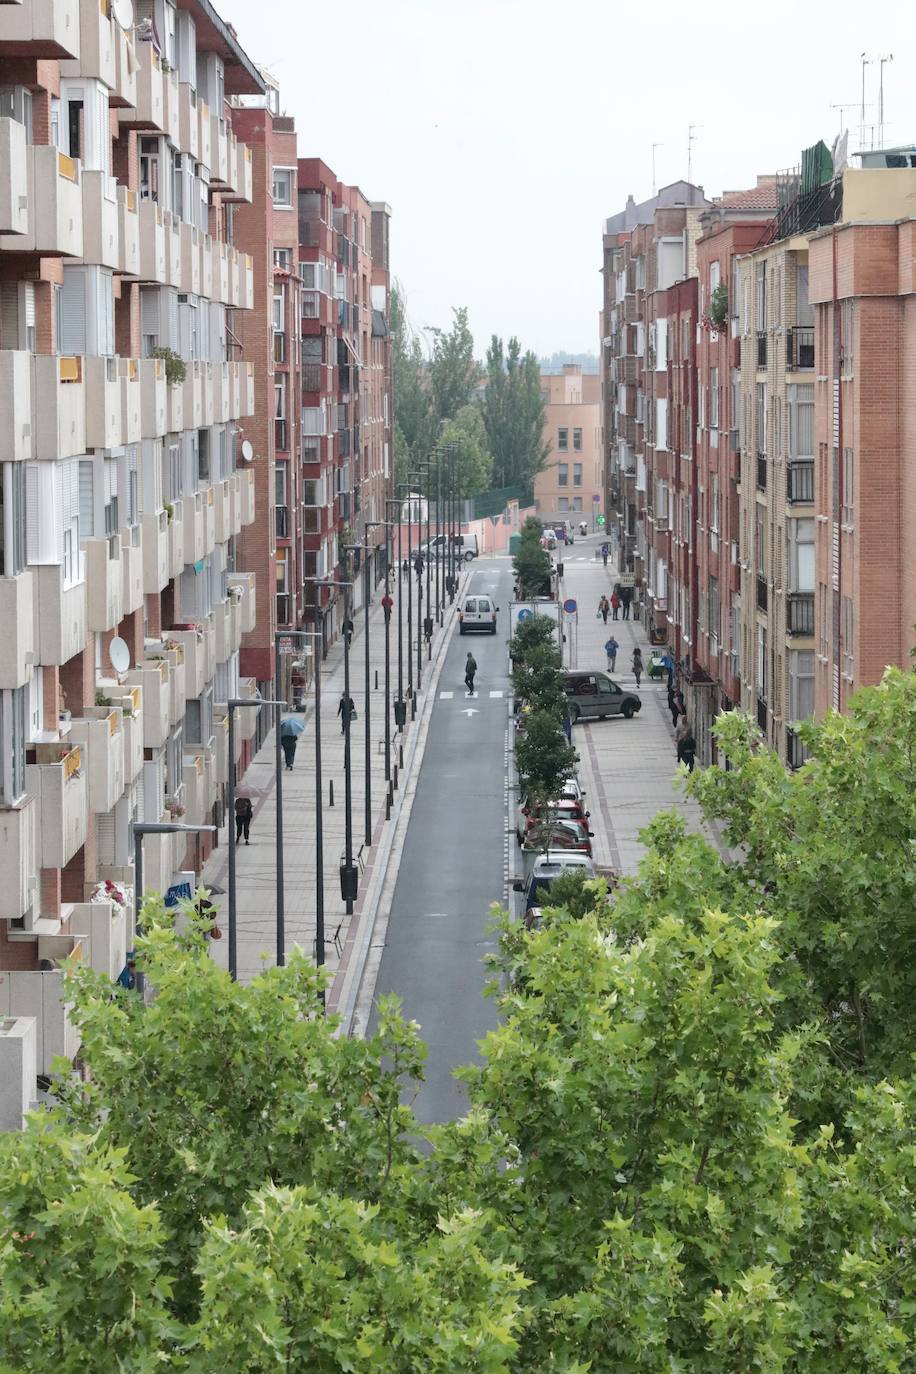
{"type": "Point", "coordinates": [72, 313]}
{"type": "Point", "coordinates": [86, 498]}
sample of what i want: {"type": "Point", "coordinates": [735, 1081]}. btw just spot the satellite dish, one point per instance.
{"type": "Point", "coordinates": [119, 654]}
{"type": "Point", "coordinates": [247, 450]}
{"type": "Point", "coordinates": [123, 12]}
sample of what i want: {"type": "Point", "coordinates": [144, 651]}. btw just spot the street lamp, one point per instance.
{"type": "Point", "coordinates": [400, 710]}
{"type": "Point", "coordinates": [386, 525]}
{"type": "Point", "coordinates": [419, 475]}
{"type": "Point", "coordinates": [231, 707]}
{"type": "Point", "coordinates": [141, 829]}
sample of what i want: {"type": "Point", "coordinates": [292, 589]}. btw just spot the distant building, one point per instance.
{"type": "Point", "coordinates": [571, 484]}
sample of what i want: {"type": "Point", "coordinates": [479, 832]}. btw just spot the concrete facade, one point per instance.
{"type": "Point", "coordinates": [571, 484]}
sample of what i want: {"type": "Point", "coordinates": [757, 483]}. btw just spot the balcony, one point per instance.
{"type": "Point", "coordinates": [311, 377]}
{"type": "Point", "coordinates": [800, 348]}
{"type": "Point", "coordinates": [103, 585]}
{"type": "Point", "coordinates": [800, 481]}
{"type": "Point", "coordinates": [176, 540]}
{"type": "Point", "coordinates": [128, 233]}
{"type": "Point", "coordinates": [221, 274]}
{"type": "Point", "coordinates": [207, 407]}
{"type": "Point", "coordinates": [208, 506]}
{"type": "Point", "coordinates": [16, 404]}
{"type": "Point", "coordinates": [149, 109]}
{"type": "Point", "coordinates": [283, 522]}
{"type": "Point", "coordinates": [170, 107]}
{"type": "Point", "coordinates": [155, 544]}
{"type": "Point", "coordinates": [131, 570]}
{"type": "Point", "coordinates": [800, 613]}
{"type": "Point", "coordinates": [190, 258]}
{"type": "Point", "coordinates": [279, 347]}
{"type": "Point", "coordinates": [193, 395]}
{"type": "Point", "coordinates": [18, 857]}
{"type": "Point", "coordinates": [219, 151]}
{"type": "Point", "coordinates": [761, 348]}
{"type": "Point", "coordinates": [246, 494]}
{"type": "Point", "coordinates": [222, 526]}
{"type": "Point", "coordinates": [192, 518]}
{"type": "Point", "coordinates": [762, 593]}
{"type": "Point", "coordinates": [44, 995]}
{"type": "Point", "coordinates": [60, 615]}
{"type": "Point", "coordinates": [41, 28]}
{"type": "Point", "coordinates": [234, 499]}
{"type": "Point", "coordinates": [153, 399]}
{"type": "Point", "coordinates": [57, 781]}
{"type": "Point", "coordinates": [221, 390]}
{"type": "Point", "coordinates": [221, 631]}
{"type": "Point", "coordinates": [16, 617]}
{"type": "Point", "coordinates": [14, 178]}
{"type": "Point", "coordinates": [196, 798]}
{"type": "Point", "coordinates": [195, 658]}
{"type": "Point", "coordinates": [162, 855]}
{"type": "Point", "coordinates": [177, 690]}
{"type": "Point", "coordinates": [232, 269]}
{"type": "Point", "coordinates": [172, 225]}
{"type": "Point", "coordinates": [243, 586]}
{"type": "Point", "coordinates": [245, 282]}
{"type": "Point", "coordinates": [55, 208]}
{"type": "Point", "coordinates": [100, 219]}
{"type": "Point", "coordinates": [761, 472]}
{"type": "Point", "coordinates": [97, 58]}
{"type": "Point", "coordinates": [221, 741]}
{"type": "Point", "coordinates": [246, 381]}
{"type": "Point", "coordinates": [206, 265]}
{"type": "Point", "coordinates": [103, 402]}
{"type": "Point", "coordinates": [132, 734]}
{"type": "Point", "coordinates": [243, 177]}
{"type": "Point", "coordinates": [796, 751]}
{"type": "Point", "coordinates": [281, 436]}
{"type": "Point", "coordinates": [175, 406]}
{"type": "Point", "coordinates": [762, 715]}
{"type": "Point", "coordinates": [105, 924]}
{"type": "Point", "coordinates": [131, 400]}
{"type": "Point", "coordinates": [125, 88]}
{"type": "Point", "coordinates": [188, 120]}
{"type": "Point", "coordinates": [204, 148]}
{"type": "Point", "coordinates": [102, 743]}
{"type": "Point", "coordinates": [152, 677]}
{"type": "Point", "coordinates": [152, 242]}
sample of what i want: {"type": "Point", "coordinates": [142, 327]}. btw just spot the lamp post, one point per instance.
{"type": "Point", "coordinates": [367, 526]}
{"type": "Point", "coordinates": [347, 878]}
{"type": "Point", "coordinates": [232, 706]}
{"type": "Point", "coordinates": [419, 476]}
{"type": "Point", "coordinates": [319, 781]}
{"type": "Point", "coordinates": [141, 829]}
{"type": "Point", "coordinates": [400, 710]}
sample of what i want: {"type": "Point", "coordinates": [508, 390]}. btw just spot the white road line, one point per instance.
{"type": "Point", "coordinates": [495, 694]}
{"type": "Point", "coordinates": [446, 696]}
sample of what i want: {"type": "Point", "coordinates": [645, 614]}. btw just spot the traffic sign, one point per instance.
{"type": "Point", "coordinates": [599, 520]}
{"type": "Point", "coordinates": [286, 645]}
{"type": "Point", "coordinates": [570, 606]}
{"type": "Point", "coordinates": [525, 614]}
{"type": "Point", "coordinates": [595, 496]}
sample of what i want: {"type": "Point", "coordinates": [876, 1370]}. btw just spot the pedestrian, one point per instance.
{"type": "Point", "coordinates": [428, 628]}
{"type": "Point", "coordinates": [610, 649]}
{"type": "Point", "coordinates": [637, 664]}
{"type": "Point", "coordinates": [288, 744]}
{"type": "Point", "coordinates": [205, 909]}
{"type": "Point", "coordinates": [470, 671]}
{"type": "Point", "coordinates": [347, 630]}
{"type": "Point", "coordinates": [615, 604]}
{"type": "Point", "coordinates": [686, 744]}
{"type": "Point", "coordinates": [626, 596]}
{"type": "Point", "coordinates": [347, 712]}
{"type": "Point", "coordinates": [604, 607]}
{"type": "Point", "coordinates": [605, 550]}
{"type": "Point", "coordinates": [667, 663]}
{"type": "Point", "coordinates": [297, 682]}
{"type": "Point", "coordinates": [387, 603]}
{"type": "Point", "coordinates": [243, 814]}
{"type": "Point", "coordinates": [674, 706]}
{"type": "Point", "coordinates": [405, 567]}
{"type": "Point", "coordinates": [419, 565]}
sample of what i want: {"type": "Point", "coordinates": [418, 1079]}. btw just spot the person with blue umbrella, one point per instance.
{"type": "Point", "coordinates": [290, 730]}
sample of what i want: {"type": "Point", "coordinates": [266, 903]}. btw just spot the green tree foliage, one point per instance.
{"type": "Point", "coordinates": [453, 373]}
{"type": "Point", "coordinates": [543, 757]}
{"type": "Point", "coordinates": [465, 433]}
{"type": "Point", "coordinates": [414, 413]}
{"type": "Point", "coordinates": [513, 411]}
{"type": "Point", "coordinates": [530, 562]}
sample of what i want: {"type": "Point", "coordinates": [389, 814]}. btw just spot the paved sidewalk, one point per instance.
{"type": "Point", "coordinates": [256, 862]}
{"type": "Point", "coordinates": [628, 767]}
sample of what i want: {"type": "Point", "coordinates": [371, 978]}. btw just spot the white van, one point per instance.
{"type": "Point", "coordinates": [477, 613]}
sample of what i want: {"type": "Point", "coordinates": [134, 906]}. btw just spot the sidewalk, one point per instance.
{"type": "Point", "coordinates": [627, 767]}
{"type": "Point", "coordinates": [256, 862]}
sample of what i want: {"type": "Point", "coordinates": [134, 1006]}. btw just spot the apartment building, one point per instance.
{"type": "Point", "coordinates": [571, 483]}
{"type": "Point", "coordinates": [123, 599]}
{"type": "Point", "coordinates": [346, 387]}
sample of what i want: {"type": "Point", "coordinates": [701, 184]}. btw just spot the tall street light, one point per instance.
{"type": "Point", "coordinates": [419, 476]}
{"type": "Point", "coordinates": [348, 878]}
{"type": "Point", "coordinates": [367, 810]}
{"type": "Point", "coordinates": [232, 706]}
{"type": "Point", "coordinates": [141, 829]}
{"type": "Point", "coordinates": [400, 709]}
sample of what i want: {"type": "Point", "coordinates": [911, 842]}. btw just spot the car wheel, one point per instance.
{"type": "Point", "coordinates": [603, 716]}
{"type": "Point", "coordinates": [628, 711]}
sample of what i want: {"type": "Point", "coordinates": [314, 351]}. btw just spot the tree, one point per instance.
{"type": "Point", "coordinates": [544, 758]}
{"type": "Point", "coordinates": [466, 434]}
{"type": "Point", "coordinates": [513, 412]}
{"type": "Point", "coordinates": [532, 563]}
{"type": "Point", "coordinates": [414, 415]}
{"type": "Point", "coordinates": [453, 373]}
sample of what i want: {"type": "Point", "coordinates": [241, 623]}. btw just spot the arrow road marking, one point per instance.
{"type": "Point", "coordinates": [470, 712]}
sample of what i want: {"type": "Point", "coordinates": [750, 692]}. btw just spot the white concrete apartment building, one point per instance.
{"type": "Point", "coordinates": [122, 483]}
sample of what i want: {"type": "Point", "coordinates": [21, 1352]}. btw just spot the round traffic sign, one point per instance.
{"type": "Point", "coordinates": [570, 606]}
{"type": "Point", "coordinates": [525, 614]}
{"type": "Point", "coordinates": [599, 520]}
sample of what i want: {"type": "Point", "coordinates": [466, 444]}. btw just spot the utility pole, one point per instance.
{"type": "Point", "coordinates": [691, 139]}
{"type": "Point", "coordinates": [654, 188]}
{"type": "Point", "coordinates": [886, 57]}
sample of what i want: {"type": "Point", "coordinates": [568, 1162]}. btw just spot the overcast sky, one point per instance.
{"type": "Point", "coordinates": [501, 132]}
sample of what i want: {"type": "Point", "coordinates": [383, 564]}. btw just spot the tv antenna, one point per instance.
{"type": "Point", "coordinates": [866, 62]}
{"type": "Point", "coordinates": [850, 105]}
{"type": "Point", "coordinates": [654, 146]}
{"type": "Point", "coordinates": [691, 139]}
{"type": "Point", "coordinates": [884, 58]}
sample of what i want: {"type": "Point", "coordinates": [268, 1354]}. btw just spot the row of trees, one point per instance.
{"type": "Point", "coordinates": [690, 1144]}
{"type": "Point", "coordinates": [493, 416]}
{"type": "Point", "coordinates": [543, 756]}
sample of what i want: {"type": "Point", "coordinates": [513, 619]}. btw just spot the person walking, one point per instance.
{"type": "Point", "coordinates": [605, 551]}
{"type": "Point", "coordinates": [419, 565]}
{"type": "Point", "coordinates": [387, 603]}
{"type": "Point", "coordinates": [347, 712]}
{"type": "Point", "coordinates": [346, 630]}
{"type": "Point", "coordinates": [470, 672]}
{"type": "Point", "coordinates": [674, 705]}
{"type": "Point", "coordinates": [686, 744]}
{"type": "Point", "coordinates": [288, 745]}
{"type": "Point", "coordinates": [667, 663]}
{"type": "Point", "coordinates": [626, 596]}
{"type": "Point", "coordinates": [604, 607]}
{"type": "Point", "coordinates": [243, 814]}
{"type": "Point", "coordinates": [610, 649]}
{"type": "Point", "coordinates": [615, 604]}
{"type": "Point", "coordinates": [637, 664]}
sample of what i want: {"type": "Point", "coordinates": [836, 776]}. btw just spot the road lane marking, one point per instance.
{"type": "Point", "coordinates": [470, 712]}
{"type": "Point", "coordinates": [446, 696]}
{"type": "Point", "coordinates": [495, 694]}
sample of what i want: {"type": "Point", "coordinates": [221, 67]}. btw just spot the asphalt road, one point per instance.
{"type": "Point", "coordinates": [452, 863]}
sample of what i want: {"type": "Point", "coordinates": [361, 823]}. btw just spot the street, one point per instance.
{"type": "Point", "coordinates": [453, 863]}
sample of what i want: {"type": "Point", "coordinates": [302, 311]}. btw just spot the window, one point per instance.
{"type": "Point", "coordinates": [563, 503]}
{"type": "Point", "coordinates": [563, 474]}
{"type": "Point", "coordinates": [577, 474]}
{"type": "Point", "coordinates": [282, 571]}
{"type": "Point", "coordinates": [848, 647]}
{"type": "Point", "coordinates": [203, 457]}
{"type": "Point", "coordinates": [12, 519]}
{"type": "Point", "coordinates": [761, 296]}
{"type": "Point", "coordinates": [280, 483]}
{"type": "Point", "coordinates": [801, 555]}
{"type": "Point", "coordinates": [283, 188]}
{"type": "Point", "coordinates": [714, 396]}
{"type": "Point", "coordinates": [847, 329]}
{"type": "Point", "coordinates": [848, 488]}
{"type": "Point", "coordinates": [280, 396]}
{"type": "Point", "coordinates": [761, 541]}
{"type": "Point", "coordinates": [174, 756]}
{"type": "Point", "coordinates": [13, 714]}
{"type": "Point", "coordinates": [801, 684]}
{"type": "Point", "coordinates": [563, 440]}
{"type": "Point", "coordinates": [801, 421]}
{"type": "Point", "coordinates": [577, 503]}
{"type": "Point", "coordinates": [279, 315]}
{"type": "Point", "coordinates": [282, 258]}
{"type": "Point", "coordinates": [822, 619]}
{"type": "Point", "coordinates": [577, 440]}
{"type": "Point", "coordinates": [712, 609]}
{"type": "Point", "coordinates": [762, 674]}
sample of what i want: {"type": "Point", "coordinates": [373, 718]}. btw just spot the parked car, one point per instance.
{"type": "Point", "coordinates": [573, 790]}
{"type": "Point", "coordinates": [559, 831]}
{"type": "Point", "coordinates": [592, 696]}
{"type": "Point", "coordinates": [547, 867]}
{"type": "Point", "coordinates": [529, 814]}
{"type": "Point", "coordinates": [466, 546]}
{"type": "Point", "coordinates": [477, 613]}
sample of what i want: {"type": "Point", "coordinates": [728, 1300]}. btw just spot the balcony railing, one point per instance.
{"type": "Point", "coordinates": [800, 613]}
{"type": "Point", "coordinates": [282, 522]}
{"type": "Point", "coordinates": [800, 348]}
{"type": "Point", "coordinates": [761, 472]}
{"type": "Point", "coordinates": [311, 376]}
{"type": "Point", "coordinates": [796, 753]}
{"type": "Point", "coordinates": [800, 481]}
{"type": "Point", "coordinates": [281, 435]}
{"type": "Point", "coordinates": [762, 714]}
{"type": "Point", "coordinates": [279, 346]}
{"type": "Point", "coordinates": [762, 598]}
{"type": "Point", "coordinates": [761, 348]}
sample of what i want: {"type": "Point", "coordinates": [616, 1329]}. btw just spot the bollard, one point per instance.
{"type": "Point", "coordinates": [331, 788]}
{"type": "Point", "coordinates": [376, 679]}
{"type": "Point", "coordinates": [394, 777]}
{"type": "Point", "coordinates": [401, 755]}
{"type": "Point", "coordinates": [413, 706]}
{"type": "Point", "coordinates": [387, 806]}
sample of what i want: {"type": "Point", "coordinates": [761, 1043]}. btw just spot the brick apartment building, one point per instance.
{"type": "Point", "coordinates": [122, 494]}
{"type": "Point", "coordinates": [571, 484]}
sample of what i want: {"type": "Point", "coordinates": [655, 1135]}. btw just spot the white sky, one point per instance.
{"type": "Point", "coordinates": [502, 132]}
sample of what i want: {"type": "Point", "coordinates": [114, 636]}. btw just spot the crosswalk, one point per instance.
{"type": "Point", "coordinates": [472, 696]}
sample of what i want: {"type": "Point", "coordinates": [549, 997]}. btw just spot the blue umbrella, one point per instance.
{"type": "Point", "coordinates": [291, 727]}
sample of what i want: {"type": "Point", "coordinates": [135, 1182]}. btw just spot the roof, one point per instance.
{"type": "Point", "coordinates": [756, 198]}
{"type": "Point", "coordinates": [678, 194]}
{"type": "Point", "coordinates": [215, 35]}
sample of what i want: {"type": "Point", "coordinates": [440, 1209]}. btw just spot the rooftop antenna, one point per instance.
{"type": "Point", "coordinates": [850, 105]}
{"type": "Point", "coordinates": [654, 146]}
{"type": "Point", "coordinates": [885, 57]}
{"type": "Point", "coordinates": [866, 61]}
{"type": "Point", "coordinates": [691, 130]}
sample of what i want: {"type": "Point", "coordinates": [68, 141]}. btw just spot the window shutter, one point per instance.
{"type": "Point", "coordinates": [31, 513]}
{"type": "Point", "coordinates": [173, 334]}
{"type": "Point", "coordinates": [86, 498]}
{"type": "Point", "coordinates": [9, 315]}
{"type": "Point", "coordinates": [72, 340]}
{"type": "Point", "coordinates": [105, 837]}
{"type": "Point", "coordinates": [133, 480]}
{"type": "Point", "coordinates": [105, 297]}
{"type": "Point", "coordinates": [28, 303]}
{"type": "Point", "coordinates": [149, 311]}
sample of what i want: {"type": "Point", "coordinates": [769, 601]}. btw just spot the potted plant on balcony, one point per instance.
{"type": "Point", "coordinates": [174, 807]}
{"type": "Point", "coordinates": [716, 317]}
{"type": "Point", "coordinates": [108, 891]}
{"type": "Point", "coordinates": [175, 368]}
